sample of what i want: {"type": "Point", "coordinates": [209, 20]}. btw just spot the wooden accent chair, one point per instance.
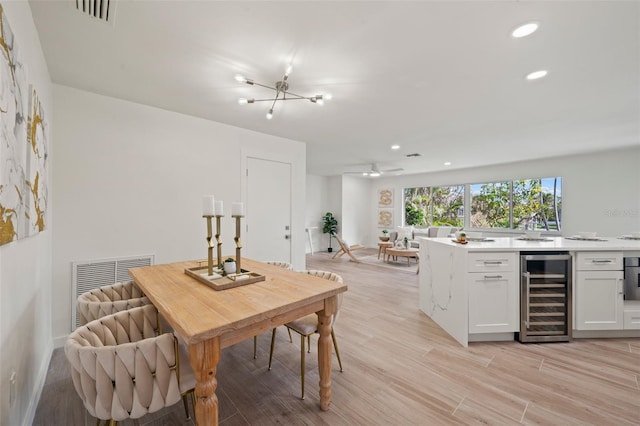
{"type": "Point", "coordinates": [122, 368]}
{"type": "Point", "coordinates": [346, 249]}
{"type": "Point", "coordinates": [308, 325]}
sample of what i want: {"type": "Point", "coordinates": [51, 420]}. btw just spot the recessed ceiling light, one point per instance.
{"type": "Point", "coordinates": [536, 75]}
{"type": "Point", "coordinates": [525, 29]}
{"type": "Point", "coordinates": [395, 146]}
{"type": "Point", "coordinates": [447, 163]}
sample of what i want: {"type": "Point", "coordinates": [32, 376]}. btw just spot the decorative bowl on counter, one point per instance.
{"type": "Point", "coordinates": [532, 234]}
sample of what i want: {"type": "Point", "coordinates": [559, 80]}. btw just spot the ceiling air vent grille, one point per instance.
{"type": "Point", "coordinates": [414, 155]}
{"type": "Point", "coordinates": [99, 9]}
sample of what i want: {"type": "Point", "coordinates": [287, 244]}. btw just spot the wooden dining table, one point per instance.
{"type": "Point", "coordinates": [209, 320]}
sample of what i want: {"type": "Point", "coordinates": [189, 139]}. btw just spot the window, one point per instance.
{"type": "Point", "coordinates": [518, 204]}
{"type": "Point", "coordinates": [436, 206]}
{"type": "Point", "coordinates": [490, 205]}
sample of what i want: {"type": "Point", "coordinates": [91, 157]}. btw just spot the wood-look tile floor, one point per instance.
{"type": "Point", "coordinates": [400, 368]}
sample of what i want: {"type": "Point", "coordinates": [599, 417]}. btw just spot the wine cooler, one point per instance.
{"type": "Point", "coordinates": [545, 297]}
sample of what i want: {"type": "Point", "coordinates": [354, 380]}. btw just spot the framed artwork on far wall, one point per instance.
{"type": "Point", "coordinates": [385, 197]}
{"type": "Point", "coordinates": [385, 218]}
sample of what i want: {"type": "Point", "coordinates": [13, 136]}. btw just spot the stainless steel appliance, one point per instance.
{"type": "Point", "coordinates": [631, 275]}
{"type": "Point", "coordinates": [545, 297]}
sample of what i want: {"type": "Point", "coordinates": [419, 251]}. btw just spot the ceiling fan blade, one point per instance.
{"type": "Point", "coordinates": [399, 169]}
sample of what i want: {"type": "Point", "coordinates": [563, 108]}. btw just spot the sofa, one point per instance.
{"type": "Point", "coordinates": [412, 233]}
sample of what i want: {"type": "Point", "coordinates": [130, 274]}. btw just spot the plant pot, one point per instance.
{"type": "Point", "coordinates": [229, 267]}
{"type": "Point", "coordinates": [385, 239]}
{"type": "Point", "coordinates": [329, 249]}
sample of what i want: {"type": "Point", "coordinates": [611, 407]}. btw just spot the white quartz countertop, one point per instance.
{"type": "Point", "coordinates": [553, 244]}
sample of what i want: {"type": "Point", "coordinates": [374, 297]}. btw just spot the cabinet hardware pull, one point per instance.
{"type": "Point", "coordinates": [601, 261]}
{"type": "Point", "coordinates": [492, 277]}
{"type": "Point", "coordinates": [493, 262]}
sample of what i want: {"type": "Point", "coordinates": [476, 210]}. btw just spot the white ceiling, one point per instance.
{"type": "Point", "coordinates": [440, 78]}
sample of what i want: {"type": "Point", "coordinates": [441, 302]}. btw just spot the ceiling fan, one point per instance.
{"type": "Point", "coordinates": [375, 171]}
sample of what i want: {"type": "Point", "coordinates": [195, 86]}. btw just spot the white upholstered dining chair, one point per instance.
{"type": "Point", "coordinates": [108, 300]}
{"type": "Point", "coordinates": [308, 325]}
{"type": "Point", "coordinates": [122, 368]}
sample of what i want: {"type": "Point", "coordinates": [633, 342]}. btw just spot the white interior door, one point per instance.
{"type": "Point", "coordinates": [268, 215]}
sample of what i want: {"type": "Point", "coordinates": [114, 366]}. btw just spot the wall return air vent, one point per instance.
{"type": "Point", "coordinates": [104, 10]}
{"type": "Point", "coordinates": [89, 275]}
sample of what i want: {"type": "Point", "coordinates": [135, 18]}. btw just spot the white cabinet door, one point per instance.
{"type": "Point", "coordinates": [599, 300]}
{"type": "Point", "coordinates": [494, 302]}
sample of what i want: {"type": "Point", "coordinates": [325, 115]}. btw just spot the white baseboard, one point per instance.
{"type": "Point", "coordinates": [59, 341]}
{"type": "Point", "coordinates": [38, 387]}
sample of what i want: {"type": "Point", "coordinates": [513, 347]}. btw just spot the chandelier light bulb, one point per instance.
{"type": "Point", "coordinates": [270, 114]}
{"type": "Point", "coordinates": [289, 69]}
{"type": "Point", "coordinates": [525, 30]}
{"type": "Point", "coordinates": [536, 75]}
{"type": "Point", "coordinates": [319, 100]}
{"type": "Point", "coordinates": [243, 101]}
{"type": "Point", "coordinates": [328, 96]}
{"type": "Point", "coordinates": [374, 174]}
{"type": "Point", "coordinates": [240, 78]}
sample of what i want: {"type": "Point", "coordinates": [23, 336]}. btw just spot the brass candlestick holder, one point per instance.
{"type": "Point", "coordinates": [219, 241]}
{"type": "Point", "coordinates": [238, 243]}
{"type": "Point", "coordinates": [210, 244]}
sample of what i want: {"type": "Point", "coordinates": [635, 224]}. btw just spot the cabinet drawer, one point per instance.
{"type": "Point", "coordinates": [599, 261]}
{"type": "Point", "coordinates": [492, 262]}
{"type": "Point", "coordinates": [631, 315]}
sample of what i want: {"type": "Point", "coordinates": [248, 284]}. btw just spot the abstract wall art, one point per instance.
{"type": "Point", "coordinates": [13, 136]}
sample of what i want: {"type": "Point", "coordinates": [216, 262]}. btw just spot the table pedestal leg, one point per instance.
{"type": "Point", "coordinates": [204, 358]}
{"type": "Point", "coordinates": [324, 351]}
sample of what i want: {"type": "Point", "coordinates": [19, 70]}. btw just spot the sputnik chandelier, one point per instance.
{"type": "Point", "coordinates": [282, 93]}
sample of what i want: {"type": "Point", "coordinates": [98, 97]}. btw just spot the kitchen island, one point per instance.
{"type": "Point", "coordinates": [473, 290]}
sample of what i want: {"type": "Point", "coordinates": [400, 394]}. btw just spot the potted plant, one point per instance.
{"type": "Point", "coordinates": [385, 235]}
{"type": "Point", "coordinates": [329, 226]}
{"type": "Point", "coordinates": [229, 266]}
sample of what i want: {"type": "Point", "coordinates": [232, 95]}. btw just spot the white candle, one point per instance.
{"type": "Point", "coordinates": [237, 209]}
{"type": "Point", "coordinates": [208, 205]}
{"type": "Point", "coordinates": [219, 209]}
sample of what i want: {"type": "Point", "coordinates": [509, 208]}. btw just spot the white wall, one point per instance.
{"type": "Point", "coordinates": [25, 265]}
{"type": "Point", "coordinates": [356, 200]}
{"type": "Point", "coordinates": [130, 178]}
{"type": "Point", "coordinates": [315, 208]}
{"type": "Point", "coordinates": [600, 191]}
{"type": "Point", "coordinates": [324, 194]}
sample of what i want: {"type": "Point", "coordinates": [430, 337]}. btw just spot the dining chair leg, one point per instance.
{"type": "Point", "coordinates": [186, 405]}
{"type": "Point", "coordinates": [273, 342]}
{"type": "Point", "coordinates": [302, 363]}
{"type": "Point", "coordinates": [255, 346]}
{"type": "Point", "coordinates": [335, 345]}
